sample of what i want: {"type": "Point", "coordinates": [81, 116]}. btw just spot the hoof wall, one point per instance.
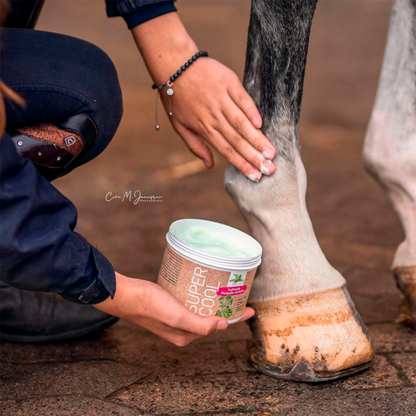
{"type": "Point", "coordinates": [406, 282]}
{"type": "Point", "coordinates": [310, 338]}
{"type": "Point", "coordinates": [303, 372]}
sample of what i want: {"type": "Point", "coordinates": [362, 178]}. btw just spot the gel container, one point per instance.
{"type": "Point", "coordinates": [209, 267]}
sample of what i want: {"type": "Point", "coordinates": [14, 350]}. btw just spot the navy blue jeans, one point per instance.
{"type": "Point", "coordinates": [60, 76]}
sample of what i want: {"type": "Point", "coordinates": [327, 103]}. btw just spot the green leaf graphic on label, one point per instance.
{"type": "Point", "coordinates": [224, 302]}
{"type": "Point", "coordinates": [227, 313]}
{"type": "Point", "coordinates": [238, 278]}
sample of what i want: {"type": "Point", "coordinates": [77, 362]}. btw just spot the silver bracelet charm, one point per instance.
{"type": "Point", "coordinates": [169, 85]}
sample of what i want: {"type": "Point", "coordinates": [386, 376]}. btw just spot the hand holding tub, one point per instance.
{"type": "Point", "coordinates": [152, 307]}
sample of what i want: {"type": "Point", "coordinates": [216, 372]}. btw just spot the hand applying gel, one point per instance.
{"type": "Point", "coordinates": [210, 105]}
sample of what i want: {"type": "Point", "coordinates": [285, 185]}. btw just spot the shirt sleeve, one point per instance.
{"type": "Point", "coordinates": [39, 249]}
{"type": "Point", "coordinates": [136, 12]}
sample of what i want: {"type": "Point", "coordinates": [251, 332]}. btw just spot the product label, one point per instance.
{"type": "Point", "coordinates": [232, 291]}
{"type": "Point", "coordinates": [203, 290]}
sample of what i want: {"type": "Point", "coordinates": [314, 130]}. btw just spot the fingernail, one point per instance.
{"type": "Point", "coordinates": [256, 122]}
{"type": "Point", "coordinates": [207, 163]}
{"type": "Point", "coordinates": [254, 175]}
{"type": "Point", "coordinates": [266, 167]}
{"type": "Point", "coordinates": [222, 325]}
{"type": "Point", "coordinates": [268, 153]}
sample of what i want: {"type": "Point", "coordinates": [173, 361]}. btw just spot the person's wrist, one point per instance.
{"type": "Point", "coordinates": [180, 47]}
{"type": "Point", "coordinates": [172, 60]}
{"type": "Point", "coordinates": [112, 306]}
{"type": "Point", "coordinates": [165, 45]}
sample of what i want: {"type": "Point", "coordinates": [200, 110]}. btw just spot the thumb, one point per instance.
{"type": "Point", "coordinates": [210, 324]}
{"type": "Point", "coordinates": [204, 325]}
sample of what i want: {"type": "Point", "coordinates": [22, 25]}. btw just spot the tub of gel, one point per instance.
{"type": "Point", "coordinates": [209, 267]}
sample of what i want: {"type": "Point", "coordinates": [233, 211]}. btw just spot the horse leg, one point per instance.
{"type": "Point", "coordinates": [390, 143]}
{"type": "Point", "coordinates": [306, 327]}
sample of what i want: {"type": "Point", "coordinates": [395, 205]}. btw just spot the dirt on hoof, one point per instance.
{"type": "Point", "coordinates": [406, 282]}
{"type": "Point", "coordinates": [311, 338]}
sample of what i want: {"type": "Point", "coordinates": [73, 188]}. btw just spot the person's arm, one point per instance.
{"type": "Point", "coordinates": [136, 12]}
{"type": "Point", "coordinates": [150, 306]}
{"type": "Point", "coordinates": [210, 105]}
{"type": "Point", "coordinates": [40, 251]}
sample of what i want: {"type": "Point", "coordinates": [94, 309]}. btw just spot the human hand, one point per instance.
{"type": "Point", "coordinates": [150, 306]}
{"type": "Point", "coordinates": [209, 104]}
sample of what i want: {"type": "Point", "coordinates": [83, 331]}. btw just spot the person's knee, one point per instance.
{"type": "Point", "coordinates": [108, 85]}
{"type": "Point", "coordinates": [103, 84]}
{"type": "Point", "coordinates": [102, 89]}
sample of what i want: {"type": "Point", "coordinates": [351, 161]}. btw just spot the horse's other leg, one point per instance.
{"type": "Point", "coordinates": [390, 143]}
{"type": "Point", "coordinates": [306, 327]}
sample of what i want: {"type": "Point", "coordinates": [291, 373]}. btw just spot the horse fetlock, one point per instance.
{"type": "Point", "coordinates": [293, 262]}
{"type": "Point", "coordinates": [390, 157]}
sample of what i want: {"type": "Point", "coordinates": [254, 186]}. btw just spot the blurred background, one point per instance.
{"type": "Point", "coordinates": [353, 220]}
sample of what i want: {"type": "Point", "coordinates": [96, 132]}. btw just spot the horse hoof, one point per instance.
{"type": "Point", "coordinates": [406, 282]}
{"type": "Point", "coordinates": [310, 338]}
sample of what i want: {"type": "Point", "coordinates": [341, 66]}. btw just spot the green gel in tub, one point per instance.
{"type": "Point", "coordinates": [213, 243]}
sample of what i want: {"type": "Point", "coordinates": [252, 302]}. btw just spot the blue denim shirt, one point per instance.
{"type": "Point", "coordinates": [136, 12]}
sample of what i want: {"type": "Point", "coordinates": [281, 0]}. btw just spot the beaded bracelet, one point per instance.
{"type": "Point", "coordinates": [169, 84]}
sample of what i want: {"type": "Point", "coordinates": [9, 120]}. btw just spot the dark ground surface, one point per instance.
{"type": "Point", "coordinates": [128, 371]}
